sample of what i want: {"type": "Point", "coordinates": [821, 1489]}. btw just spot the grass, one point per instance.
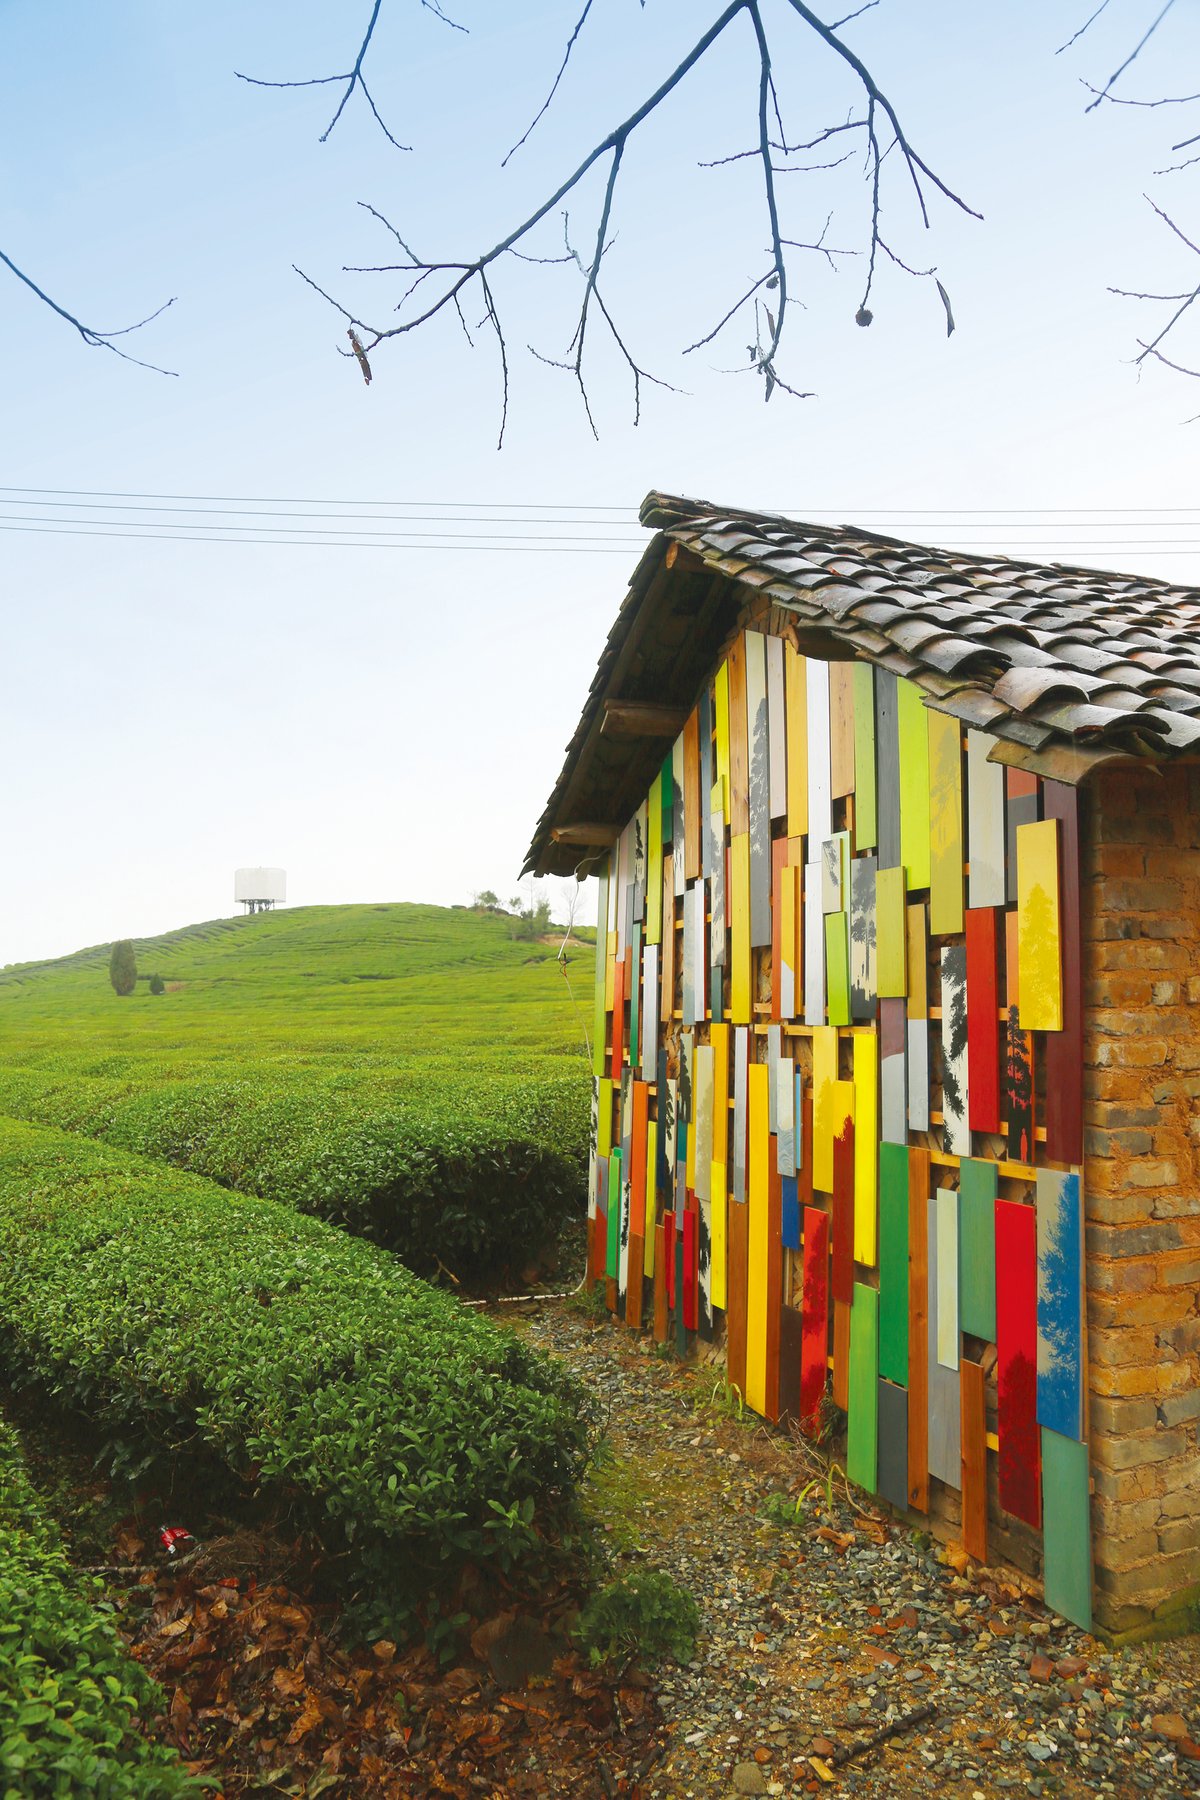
{"type": "Point", "coordinates": [410, 1072]}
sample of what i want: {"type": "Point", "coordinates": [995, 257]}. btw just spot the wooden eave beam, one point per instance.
{"type": "Point", "coordinates": [642, 719]}
{"type": "Point", "coordinates": [586, 835]}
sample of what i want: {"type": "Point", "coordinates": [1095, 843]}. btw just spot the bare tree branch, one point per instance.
{"type": "Point", "coordinates": [1087, 23]}
{"type": "Point", "coordinates": [353, 77]}
{"type": "Point", "coordinates": [1132, 57]}
{"type": "Point", "coordinates": [545, 106]}
{"type": "Point", "coordinates": [96, 340]}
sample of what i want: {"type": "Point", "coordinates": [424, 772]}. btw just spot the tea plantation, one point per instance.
{"type": "Point", "coordinates": [412, 1073]}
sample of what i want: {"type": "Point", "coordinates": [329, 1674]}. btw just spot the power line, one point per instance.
{"type": "Point", "coordinates": [568, 547]}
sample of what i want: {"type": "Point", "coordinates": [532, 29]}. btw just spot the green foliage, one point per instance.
{"type": "Point", "coordinates": [157, 985]}
{"type": "Point", "coordinates": [645, 1616]}
{"type": "Point", "coordinates": [70, 1696]}
{"type": "Point", "coordinates": [122, 967]}
{"type": "Point", "coordinates": [406, 1072]}
{"type": "Point", "coordinates": [413, 1436]}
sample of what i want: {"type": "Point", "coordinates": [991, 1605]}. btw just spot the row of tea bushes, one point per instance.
{"type": "Point", "coordinates": [468, 1168]}
{"type": "Point", "coordinates": [69, 1693]}
{"type": "Point", "coordinates": [412, 1435]}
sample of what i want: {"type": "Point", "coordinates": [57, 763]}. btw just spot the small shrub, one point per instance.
{"type": "Point", "coordinates": [122, 968]}
{"type": "Point", "coordinates": [157, 985]}
{"type": "Point", "coordinates": [644, 1617]}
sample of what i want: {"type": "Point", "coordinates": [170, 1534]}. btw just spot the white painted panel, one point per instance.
{"type": "Point", "coordinates": [985, 823]}
{"type": "Point", "coordinates": [820, 813]}
{"type": "Point", "coordinates": [814, 947]}
{"type": "Point", "coordinates": [777, 727]}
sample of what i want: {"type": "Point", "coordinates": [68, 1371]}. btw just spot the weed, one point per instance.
{"type": "Point", "coordinates": [645, 1617]}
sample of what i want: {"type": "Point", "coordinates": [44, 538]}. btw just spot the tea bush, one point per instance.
{"type": "Point", "coordinates": [412, 1435]}
{"type": "Point", "coordinates": [69, 1693]}
{"type": "Point", "coordinates": [644, 1617]}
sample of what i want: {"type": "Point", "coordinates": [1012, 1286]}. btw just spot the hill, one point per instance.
{"type": "Point", "coordinates": [411, 1072]}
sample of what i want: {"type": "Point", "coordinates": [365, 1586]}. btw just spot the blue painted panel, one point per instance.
{"type": "Point", "coordinates": [790, 1212]}
{"type": "Point", "coordinates": [1060, 1303]}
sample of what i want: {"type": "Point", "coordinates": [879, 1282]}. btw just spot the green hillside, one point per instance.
{"type": "Point", "coordinates": [411, 1072]}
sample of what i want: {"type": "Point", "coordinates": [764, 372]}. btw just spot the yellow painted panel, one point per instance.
{"type": "Point", "coordinates": [918, 961]}
{"type": "Point", "coordinates": [914, 783]}
{"type": "Point", "coordinates": [651, 1196]}
{"type": "Point", "coordinates": [610, 971]}
{"type": "Point", "coordinates": [945, 824]}
{"type": "Point", "coordinates": [739, 929]}
{"type": "Point", "coordinates": [795, 677]}
{"type": "Point", "coordinates": [824, 1078]}
{"type": "Point", "coordinates": [891, 950]}
{"type": "Point", "coordinates": [654, 855]}
{"type": "Point", "coordinates": [866, 1147]}
{"type": "Point", "coordinates": [721, 736]}
{"type": "Point", "coordinates": [604, 1121]}
{"type": "Point", "coordinates": [718, 1037]}
{"type": "Point", "coordinates": [758, 1228]}
{"type": "Point", "coordinates": [716, 1227]}
{"type": "Point", "coordinates": [1039, 929]}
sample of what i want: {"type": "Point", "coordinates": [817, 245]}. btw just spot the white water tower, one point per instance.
{"type": "Point", "coordinates": [259, 890]}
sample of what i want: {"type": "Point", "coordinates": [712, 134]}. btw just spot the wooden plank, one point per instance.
{"type": "Point", "coordinates": [1064, 1048]}
{"type": "Point", "coordinates": [814, 947]}
{"type": "Point", "coordinates": [788, 898]}
{"type": "Point", "coordinates": [705, 1105]}
{"type": "Point", "coordinates": [758, 738]}
{"type": "Point", "coordinates": [691, 1284]}
{"type": "Point", "coordinates": [891, 934]}
{"type": "Point", "coordinates": [973, 1399]}
{"type": "Point", "coordinates": [636, 1281]}
{"type": "Point", "coordinates": [978, 1186]}
{"type": "Point", "coordinates": [863, 965]}
{"type": "Point", "coordinates": [757, 1235]}
{"type": "Point", "coordinates": [651, 1195]}
{"type": "Point", "coordinates": [718, 951]}
{"type": "Point", "coordinates": [865, 827]}
{"type": "Point", "coordinates": [735, 1313]}
{"type": "Point", "coordinates": [837, 967]}
{"type": "Point", "coordinates": [704, 711]}
{"type": "Point", "coordinates": [689, 957]}
{"type": "Point", "coordinates": [721, 738]}
{"type": "Point", "coordinates": [612, 1249]}
{"type": "Point", "coordinates": [718, 1038]}
{"type": "Point", "coordinates": [739, 930]}
{"type": "Point", "coordinates": [840, 1383]}
{"type": "Point", "coordinates": [1019, 1458]}
{"type": "Point", "coordinates": [599, 1002]}
{"type": "Point", "coordinates": [892, 1413]}
{"type": "Point", "coordinates": [917, 1073]}
{"type": "Point", "coordinates": [640, 719]}
{"type": "Point", "coordinates": [945, 1420]}
{"type": "Point", "coordinates": [1059, 1303]}
{"type": "Point", "coordinates": [795, 680]}
{"type": "Point", "coordinates": [893, 1086]}
{"type": "Point", "coordinates": [779, 856]}
{"type": "Point", "coordinates": [785, 1115]}
{"type": "Point", "coordinates": [685, 1142]}
{"type": "Point", "coordinates": [604, 1118]}
{"type": "Point", "coordinates": [790, 1212]}
{"type": "Point", "coordinates": [698, 899]}
{"type": "Point", "coordinates": [914, 783]}
{"type": "Point", "coordinates": [741, 1065]}
{"type": "Point", "coordinates": [893, 1263]}
{"type": "Point", "coordinates": [866, 1148]}
{"type": "Point", "coordinates": [681, 1339]}
{"type": "Point", "coordinates": [791, 1350]}
{"type": "Point", "coordinates": [1039, 929]}
{"type": "Point", "coordinates": [862, 1442]}
{"type": "Point", "coordinates": [956, 1130]}
{"type": "Point", "coordinates": [814, 1349]}
{"type": "Point", "coordinates": [842, 1105]}
{"type": "Point", "coordinates": [1018, 1074]}
{"type": "Point", "coordinates": [918, 1329]}
{"type": "Point", "coordinates": [983, 1020]}
{"type": "Point", "coordinates": [660, 1283]}
{"type": "Point", "coordinates": [1067, 1539]}
{"type": "Point", "coordinates": [1022, 807]}
{"type": "Point", "coordinates": [777, 727]}
{"type": "Point", "coordinates": [824, 1079]}
{"type": "Point", "coordinates": [834, 865]}
{"type": "Point", "coordinates": [650, 1002]}
{"type": "Point", "coordinates": [739, 744]}
{"type": "Point", "coordinates": [820, 813]}
{"type": "Point", "coordinates": [679, 819]}
{"type": "Point", "coordinates": [945, 823]}
{"type": "Point", "coordinates": [704, 1243]}
{"type": "Point", "coordinates": [633, 977]}
{"type": "Point", "coordinates": [637, 1171]}
{"type": "Point", "coordinates": [887, 768]}
{"type": "Point", "coordinates": [654, 853]}
{"type": "Point", "coordinates": [948, 1342]}
{"type": "Point", "coordinates": [719, 1229]}
{"type": "Point", "coordinates": [774, 1287]}
{"type": "Point", "coordinates": [985, 822]}
{"type": "Point", "coordinates": [841, 729]}
{"type": "Point", "coordinates": [618, 1020]}
{"type": "Point", "coordinates": [667, 967]}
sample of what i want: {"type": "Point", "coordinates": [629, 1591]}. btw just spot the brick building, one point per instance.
{"type": "Point", "coordinates": [897, 1044]}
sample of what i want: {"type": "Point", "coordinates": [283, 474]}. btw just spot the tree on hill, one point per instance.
{"type": "Point", "coordinates": [122, 967]}
{"type": "Point", "coordinates": [157, 985]}
{"type": "Point", "coordinates": [486, 899]}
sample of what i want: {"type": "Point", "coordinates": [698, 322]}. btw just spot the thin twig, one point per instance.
{"type": "Point", "coordinates": [1084, 27]}
{"type": "Point", "coordinates": [1132, 57]}
{"type": "Point", "coordinates": [96, 340]}
{"type": "Point", "coordinates": [353, 78]}
{"type": "Point", "coordinates": [545, 106]}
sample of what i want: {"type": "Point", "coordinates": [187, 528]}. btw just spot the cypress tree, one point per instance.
{"type": "Point", "coordinates": [122, 967]}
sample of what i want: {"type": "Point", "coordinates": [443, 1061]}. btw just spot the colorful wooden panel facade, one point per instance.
{"type": "Point", "coordinates": [819, 1011]}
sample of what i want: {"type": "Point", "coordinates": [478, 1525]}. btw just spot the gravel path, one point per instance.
{"type": "Point", "coordinates": [819, 1633]}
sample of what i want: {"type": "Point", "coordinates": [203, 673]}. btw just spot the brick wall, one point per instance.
{"type": "Point", "coordinates": [1141, 928]}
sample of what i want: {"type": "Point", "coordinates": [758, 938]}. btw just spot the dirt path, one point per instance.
{"type": "Point", "coordinates": [825, 1629]}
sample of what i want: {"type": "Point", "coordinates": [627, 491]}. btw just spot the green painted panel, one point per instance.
{"type": "Point", "coordinates": [865, 825]}
{"type": "Point", "coordinates": [1066, 1528]}
{"type": "Point", "coordinates": [893, 1263]}
{"type": "Point", "coordinates": [977, 1189]}
{"type": "Point", "coordinates": [862, 1420]}
{"type": "Point", "coordinates": [613, 1245]}
{"type": "Point", "coordinates": [837, 966]}
{"type": "Point", "coordinates": [914, 784]}
{"type": "Point", "coordinates": [668, 799]}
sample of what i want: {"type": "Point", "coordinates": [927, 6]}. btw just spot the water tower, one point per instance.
{"type": "Point", "coordinates": [259, 890]}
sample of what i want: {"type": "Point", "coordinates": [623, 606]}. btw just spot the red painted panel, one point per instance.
{"type": "Point", "coordinates": [690, 1284]}
{"type": "Point", "coordinates": [814, 1344]}
{"type": "Point", "coordinates": [669, 1228]}
{"type": "Point", "coordinates": [661, 1266]}
{"type": "Point", "coordinates": [618, 1017]}
{"type": "Point", "coordinates": [983, 1020]}
{"type": "Point", "coordinates": [774, 1282]}
{"type": "Point", "coordinates": [1016, 1373]}
{"type": "Point", "coordinates": [640, 1113]}
{"type": "Point", "coordinates": [1064, 1049]}
{"type": "Point", "coordinates": [843, 1213]}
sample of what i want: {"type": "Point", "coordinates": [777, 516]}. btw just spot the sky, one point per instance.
{"type": "Point", "coordinates": [188, 691]}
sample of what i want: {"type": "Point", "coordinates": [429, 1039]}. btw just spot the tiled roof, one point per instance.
{"type": "Point", "coordinates": [1067, 668]}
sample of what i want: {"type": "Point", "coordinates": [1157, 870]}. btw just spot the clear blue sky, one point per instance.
{"type": "Point", "coordinates": [386, 723]}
